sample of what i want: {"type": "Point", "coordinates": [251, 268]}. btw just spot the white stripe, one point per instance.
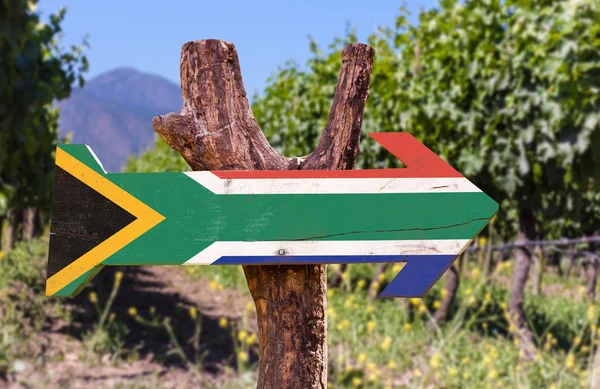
{"type": "Point", "coordinates": [321, 247]}
{"type": "Point", "coordinates": [96, 158]}
{"type": "Point", "coordinates": [330, 185]}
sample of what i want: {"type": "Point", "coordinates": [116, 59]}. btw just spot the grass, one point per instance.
{"type": "Point", "coordinates": [390, 343]}
{"type": "Point", "coordinates": [386, 343]}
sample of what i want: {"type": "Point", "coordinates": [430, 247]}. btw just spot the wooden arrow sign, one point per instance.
{"type": "Point", "coordinates": [424, 215]}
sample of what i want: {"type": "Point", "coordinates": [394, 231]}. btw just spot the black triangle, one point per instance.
{"type": "Point", "coordinates": [81, 219]}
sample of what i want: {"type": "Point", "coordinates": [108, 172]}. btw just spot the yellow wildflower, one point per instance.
{"type": "Point", "coordinates": [452, 371]}
{"type": "Point", "coordinates": [382, 277]}
{"type": "Point", "coordinates": [591, 312]}
{"type": "Point", "coordinates": [417, 373]}
{"type": "Point", "coordinates": [330, 292]}
{"type": "Point", "coordinates": [407, 326]}
{"type": "Point", "coordinates": [493, 374]}
{"type": "Point", "coordinates": [391, 365]}
{"type": "Point", "coordinates": [242, 335]}
{"type": "Point", "coordinates": [356, 382]}
{"type": "Point", "coordinates": [570, 362]}
{"type": "Point", "coordinates": [476, 273]}
{"type": "Point", "coordinates": [371, 366]}
{"type": "Point", "coordinates": [437, 304]}
{"type": "Point", "coordinates": [362, 357]}
{"type": "Point", "coordinates": [375, 285]}
{"type": "Point", "coordinates": [435, 360]}
{"type": "Point", "coordinates": [343, 325]}
{"type": "Point", "coordinates": [464, 361]}
{"type": "Point", "coordinates": [443, 293]}
{"type": "Point", "coordinates": [415, 301]}
{"type": "Point", "coordinates": [361, 284]}
{"type": "Point", "coordinates": [132, 312]}
{"type": "Point", "coordinates": [577, 341]}
{"type": "Point", "coordinates": [193, 313]}
{"type": "Point", "coordinates": [213, 284]}
{"type": "Point", "coordinates": [249, 306]}
{"type": "Point", "coordinates": [487, 360]}
{"type": "Point", "coordinates": [93, 297]}
{"type": "Point", "coordinates": [251, 339]}
{"type": "Point", "coordinates": [397, 267]}
{"type": "Point", "coordinates": [482, 241]}
{"type": "Point", "coordinates": [422, 308]}
{"type": "Point", "coordinates": [468, 292]}
{"type": "Point", "coordinates": [370, 326]}
{"type": "Point", "coordinates": [331, 312]}
{"type": "Point", "coordinates": [387, 342]}
{"type": "Point", "coordinates": [111, 317]}
{"type": "Point", "coordinates": [118, 277]}
{"type": "Point", "coordinates": [223, 322]}
{"type": "Point", "coordinates": [370, 308]}
{"type": "Point", "coordinates": [585, 349]}
{"type": "Point", "coordinates": [242, 356]}
{"type": "Point", "coordinates": [466, 376]}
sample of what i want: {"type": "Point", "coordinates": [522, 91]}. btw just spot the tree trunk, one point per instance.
{"type": "Point", "coordinates": [2, 233]}
{"type": "Point", "coordinates": [571, 262]}
{"type": "Point", "coordinates": [336, 278]}
{"type": "Point", "coordinates": [592, 273]}
{"type": "Point", "coordinates": [595, 378]}
{"type": "Point", "coordinates": [540, 261]}
{"type": "Point", "coordinates": [31, 228]}
{"type": "Point", "coordinates": [217, 131]}
{"type": "Point", "coordinates": [14, 219]}
{"type": "Point", "coordinates": [519, 281]}
{"type": "Point", "coordinates": [452, 284]}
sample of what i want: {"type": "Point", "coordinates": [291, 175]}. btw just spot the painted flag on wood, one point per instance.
{"type": "Point", "coordinates": [424, 215]}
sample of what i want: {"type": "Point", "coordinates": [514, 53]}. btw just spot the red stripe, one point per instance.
{"type": "Point", "coordinates": [420, 162]}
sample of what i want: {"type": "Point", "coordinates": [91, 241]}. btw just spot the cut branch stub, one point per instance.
{"type": "Point", "coordinates": [216, 130]}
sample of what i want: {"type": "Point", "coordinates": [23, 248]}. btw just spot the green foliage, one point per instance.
{"type": "Point", "coordinates": [162, 158]}
{"type": "Point", "coordinates": [34, 72]}
{"type": "Point", "coordinates": [507, 92]}
{"type": "Point", "coordinates": [17, 265]}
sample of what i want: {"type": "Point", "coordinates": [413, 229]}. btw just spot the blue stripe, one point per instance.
{"type": "Point", "coordinates": [418, 275]}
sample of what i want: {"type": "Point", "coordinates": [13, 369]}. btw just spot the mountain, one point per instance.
{"type": "Point", "coordinates": [113, 113]}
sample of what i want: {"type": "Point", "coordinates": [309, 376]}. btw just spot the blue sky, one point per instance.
{"type": "Point", "coordinates": [148, 35]}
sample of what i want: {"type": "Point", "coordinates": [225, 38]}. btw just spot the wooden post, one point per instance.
{"type": "Point", "coordinates": [216, 130]}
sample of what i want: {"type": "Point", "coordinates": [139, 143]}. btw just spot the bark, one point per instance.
{"type": "Point", "coordinates": [31, 224]}
{"type": "Point", "coordinates": [336, 278]}
{"type": "Point", "coordinates": [519, 281]}
{"type": "Point", "coordinates": [216, 130]}
{"type": "Point", "coordinates": [571, 262]}
{"type": "Point", "coordinates": [595, 378]}
{"type": "Point", "coordinates": [540, 261]}
{"type": "Point", "coordinates": [14, 225]}
{"type": "Point", "coordinates": [452, 284]}
{"type": "Point", "coordinates": [592, 273]}
{"type": "Point", "coordinates": [2, 233]}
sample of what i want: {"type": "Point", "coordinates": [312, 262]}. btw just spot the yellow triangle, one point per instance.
{"type": "Point", "coordinates": [146, 218]}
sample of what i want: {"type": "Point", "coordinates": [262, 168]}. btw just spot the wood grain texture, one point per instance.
{"type": "Point", "coordinates": [82, 218]}
{"type": "Point", "coordinates": [216, 130]}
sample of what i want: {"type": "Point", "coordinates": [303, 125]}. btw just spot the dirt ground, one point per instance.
{"type": "Point", "coordinates": [168, 289]}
